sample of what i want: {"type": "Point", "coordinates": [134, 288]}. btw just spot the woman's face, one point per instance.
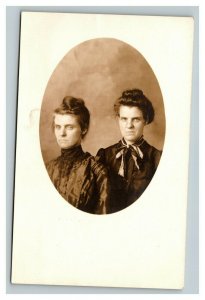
{"type": "Point", "coordinates": [67, 130]}
{"type": "Point", "coordinates": [131, 122]}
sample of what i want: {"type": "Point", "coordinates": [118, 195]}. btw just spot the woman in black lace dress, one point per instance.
{"type": "Point", "coordinates": [78, 177]}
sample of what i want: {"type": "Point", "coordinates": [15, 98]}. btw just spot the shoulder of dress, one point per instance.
{"type": "Point", "coordinates": [150, 147]}
{"type": "Point", "coordinates": [96, 166]}
{"type": "Point", "coordinates": [156, 151]}
{"type": "Point", "coordinates": [152, 153]}
{"type": "Point", "coordinates": [52, 162]}
{"type": "Point", "coordinates": [108, 149]}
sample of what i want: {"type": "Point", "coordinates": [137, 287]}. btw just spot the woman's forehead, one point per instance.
{"type": "Point", "coordinates": [64, 119]}
{"type": "Point", "coordinates": [130, 111]}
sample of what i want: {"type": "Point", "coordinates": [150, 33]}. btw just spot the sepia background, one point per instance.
{"type": "Point", "coordinates": [98, 71]}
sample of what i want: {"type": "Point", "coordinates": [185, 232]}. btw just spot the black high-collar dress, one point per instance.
{"type": "Point", "coordinates": [80, 180]}
{"type": "Point", "coordinates": [128, 188]}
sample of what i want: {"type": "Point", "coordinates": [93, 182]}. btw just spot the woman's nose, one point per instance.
{"type": "Point", "coordinates": [62, 132]}
{"type": "Point", "coordinates": [129, 124]}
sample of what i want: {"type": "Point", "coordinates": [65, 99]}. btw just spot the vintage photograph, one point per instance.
{"type": "Point", "coordinates": [102, 126]}
{"type": "Point", "coordinates": [102, 150]}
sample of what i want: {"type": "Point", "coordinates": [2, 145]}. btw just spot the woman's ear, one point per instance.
{"type": "Point", "coordinates": [84, 131]}
{"type": "Point", "coordinates": [146, 121]}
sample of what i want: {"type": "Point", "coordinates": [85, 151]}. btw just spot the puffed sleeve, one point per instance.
{"type": "Point", "coordinates": [102, 186]}
{"type": "Point", "coordinates": [100, 156]}
{"type": "Point", "coordinates": [156, 157]}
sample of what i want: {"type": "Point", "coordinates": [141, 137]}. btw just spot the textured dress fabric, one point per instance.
{"type": "Point", "coordinates": [137, 173]}
{"type": "Point", "coordinates": [81, 180]}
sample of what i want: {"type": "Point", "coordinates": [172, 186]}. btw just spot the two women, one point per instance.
{"type": "Point", "coordinates": [120, 173]}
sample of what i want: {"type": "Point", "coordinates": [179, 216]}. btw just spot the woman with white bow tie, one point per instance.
{"type": "Point", "coordinates": [131, 162]}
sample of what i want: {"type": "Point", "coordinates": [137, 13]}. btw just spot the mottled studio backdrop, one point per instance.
{"type": "Point", "coordinates": [98, 71]}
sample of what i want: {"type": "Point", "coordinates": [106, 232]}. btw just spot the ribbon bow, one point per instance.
{"type": "Point", "coordinates": [136, 153]}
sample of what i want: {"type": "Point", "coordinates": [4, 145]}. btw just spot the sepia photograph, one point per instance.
{"type": "Point", "coordinates": [96, 97]}
{"type": "Point", "coordinates": [102, 150]}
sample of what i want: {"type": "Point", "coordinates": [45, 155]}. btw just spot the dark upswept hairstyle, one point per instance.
{"type": "Point", "coordinates": [75, 106]}
{"type": "Point", "coordinates": [135, 97]}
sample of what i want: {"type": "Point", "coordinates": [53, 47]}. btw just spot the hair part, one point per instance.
{"type": "Point", "coordinates": [75, 106]}
{"type": "Point", "coordinates": [135, 97]}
